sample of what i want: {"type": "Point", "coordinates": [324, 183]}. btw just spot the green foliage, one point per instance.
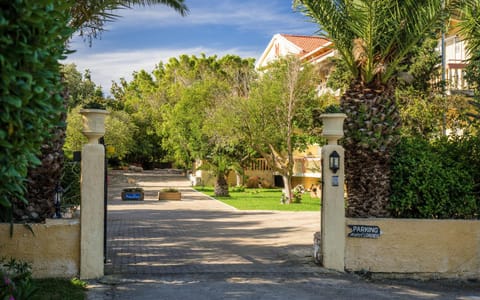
{"type": "Point", "coordinates": [374, 37]}
{"type": "Point", "coordinates": [33, 35]}
{"type": "Point", "coordinates": [81, 90]}
{"type": "Point", "coordinates": [333, 109]}
{"type": "Point", "coordinates": [421, 113]}
{"type": "Point", "coordinates": [16, 280]}
{"type": "Point", "coordinates": [71, 184]}
{"type": "Point", "coordinates": [435, 180]}
{"type": "Point", "coordinates": [472, 75]}
{"type": "Point", "coordinates": [341, 75]}
{"type": "Point", "coordinates": [238, 189]}
{"type": "Point", "coordinates": [120, 132]}
{"type": "Point", "coordinates": [298, 193]}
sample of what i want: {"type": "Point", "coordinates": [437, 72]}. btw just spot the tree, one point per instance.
{"type": "Point", "coordinates": [81, 89]}
{"type": "Point", "coordinates": [142, 99]}
{"type": "Point", "coordinates": [197, 88]}
{"type": "Point", "coordinates": [34, 34]}
{"type": "Point", "coordinates": [47, 26]}
{"type": "Point", "coordinates": [374, 39]}
{"type": "Point", "coordinates": [469, 24]}
{"type": "Point", "coordinates": [119, 134]}
{"type": "Point", "coordinates": [274, 118]}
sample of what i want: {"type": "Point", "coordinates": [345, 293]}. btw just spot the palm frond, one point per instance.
{"type": "Point", "coordinates": [469, 25]}
{"type": "Point", "coordinates": [89, 17]}
{"type": "Point", "coordinates": [382, 31]}
{"type": "Point", "coordinates": [178, 5]}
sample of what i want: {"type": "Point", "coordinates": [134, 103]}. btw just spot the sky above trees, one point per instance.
{"type": "Point", "coordinates": [144, 36]}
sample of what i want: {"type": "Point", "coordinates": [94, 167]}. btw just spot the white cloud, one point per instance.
{"type": "Point", "coordinates": [262, 16]}
{"type": "Point", "coordinates": [111, 66]}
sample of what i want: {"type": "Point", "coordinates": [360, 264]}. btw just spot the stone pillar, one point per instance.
{"type": "Point", "coordinates": [92, 193]}
{"type": "Point", "coordinates": [333, 202]}
{"type": "Point", "coordinates": [333, 211]}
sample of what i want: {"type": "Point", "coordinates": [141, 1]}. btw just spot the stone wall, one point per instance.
{"type": "Point", "coordinates": [417, 248]}
{"type": "Point", "coordinates": [53, 250]}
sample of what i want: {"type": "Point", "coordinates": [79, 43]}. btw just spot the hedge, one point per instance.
{"type": "Point", "coordinates": [33, 38]}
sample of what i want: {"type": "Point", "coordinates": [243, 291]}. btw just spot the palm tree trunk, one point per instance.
{"type": "Point", "coordinates": [42, 180]}
{"type": "Point", "coordinates": [221, 185]}
{"type": "Point", "coordinates": [371, 132]}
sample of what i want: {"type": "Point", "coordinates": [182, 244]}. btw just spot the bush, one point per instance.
{"type": "Point", "coordinates": [237, 189]}
{"type": "Point", "coordinates": [433, 180]}
{"type": "Point", "coordinates": [297, 193]}
{"type": "Point", "coordinates": [253, 182]}
{"type": "Point", "coordinates": [33, 37]}
{"type": "Point", "coordinates": [16, 280]}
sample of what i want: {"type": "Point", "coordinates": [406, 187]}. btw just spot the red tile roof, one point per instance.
{"type": "Point", "coordinates": [307, 43]}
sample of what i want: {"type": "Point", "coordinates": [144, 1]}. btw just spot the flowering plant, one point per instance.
{"type": "Point", "coordinates": [16, 280]}
{"type": "Point", "coordinates": [297, 193]}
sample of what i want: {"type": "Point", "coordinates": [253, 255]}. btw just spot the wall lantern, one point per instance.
{"type": "Point", "coordinates": [334, 161]}
{"type": "Point", "coordinates": [57, 198]}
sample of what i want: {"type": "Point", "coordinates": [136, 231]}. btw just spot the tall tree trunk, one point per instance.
{"type": "Point", "coordinates": [239, 177]}
{"type": "Point", "coordinates": [287, 182]}
{"type": "Point", "coordinates": [371, 132]}
{"type": "Point", "coordinates": [221, 185]}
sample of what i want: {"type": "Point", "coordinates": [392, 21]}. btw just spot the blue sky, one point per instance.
{"type": "Point", "coordinates": [142, 37]}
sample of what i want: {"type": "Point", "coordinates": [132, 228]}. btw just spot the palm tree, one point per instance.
{"type": "Point", "coordinates": [373, 37]}
{"type": "Point", "coordinates": [468, 24]}
{"type": "Point", "coordinates": [88, 19]}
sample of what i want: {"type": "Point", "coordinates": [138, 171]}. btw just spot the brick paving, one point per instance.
{"type": "Point", "coordinates": [202, 235]}
{"type": "Point", "coordinates": [200, 248]}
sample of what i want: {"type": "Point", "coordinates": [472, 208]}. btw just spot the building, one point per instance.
{"type": "Point", "coordinates": [312, 49]}
{"type": "Point", "coordinates": [456, 59]}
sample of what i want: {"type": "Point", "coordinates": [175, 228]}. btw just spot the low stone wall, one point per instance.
{"type": "Point", "coordinates": [416, 248]}
{"type": "Point", "coordinates": [53, 250]}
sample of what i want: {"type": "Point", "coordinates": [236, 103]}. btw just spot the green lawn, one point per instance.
{"type": "Point", "coordinates": [264, 199]}
{"type": "Point", "coordinates": [59, 289]}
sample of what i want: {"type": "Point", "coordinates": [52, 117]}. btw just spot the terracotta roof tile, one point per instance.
{"type": "Point", "coordinates": [307, 43]}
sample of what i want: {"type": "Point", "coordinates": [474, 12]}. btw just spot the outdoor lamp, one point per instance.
{"type": "Point", "coordinates": [334, 161]}
{"type": "Point", "coordinates": [57, 198]}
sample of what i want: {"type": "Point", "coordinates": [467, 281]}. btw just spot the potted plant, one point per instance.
{"type": "Point", "coordinates": [332, 119]}
{"type": "Point", "coordinates": [93, 117]}
{"type": "Point", "coordinates": [133, 194]}
{"type": "Point", "coordinates": [169, 194]}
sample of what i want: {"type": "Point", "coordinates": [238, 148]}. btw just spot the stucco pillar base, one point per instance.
{"type": "Point", "coordinates": [333, 212]}
{"type": "Point", "coordinates": [91, 211]}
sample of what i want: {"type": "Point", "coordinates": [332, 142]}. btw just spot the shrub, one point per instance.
{"type": "Point", "coordinates": [432, 180]}
{"type": "Point", "coordinates": [33, 37]}
{"type": "Point", "coordinates": [16, 280]}
{"type": "Point", "coordinates": [253, 182]}
{"type": "Point", "coordinates": [297, 193]}
{"type": "Point", "coordinates": [238, 189]}
{"type": "Point", "coordinates": [266, 184]}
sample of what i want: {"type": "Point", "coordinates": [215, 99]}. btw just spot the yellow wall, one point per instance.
{"type": "Point", "coordinates": [54, 250]}
{"type": "Point", "coordinates": [426, 248]}
{"type": "Point", "coordinates": [307, 182]}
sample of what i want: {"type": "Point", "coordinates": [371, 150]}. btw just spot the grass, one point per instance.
{"type": "Point", "coordinates": [263, 199]}
{"type": "Point", "coordinates": [59, 289]}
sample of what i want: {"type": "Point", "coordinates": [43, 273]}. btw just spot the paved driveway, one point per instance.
{"type": "Point", "coordinates": [200, 248]}
{"type": "Point", "coordinates": [202, 235]}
